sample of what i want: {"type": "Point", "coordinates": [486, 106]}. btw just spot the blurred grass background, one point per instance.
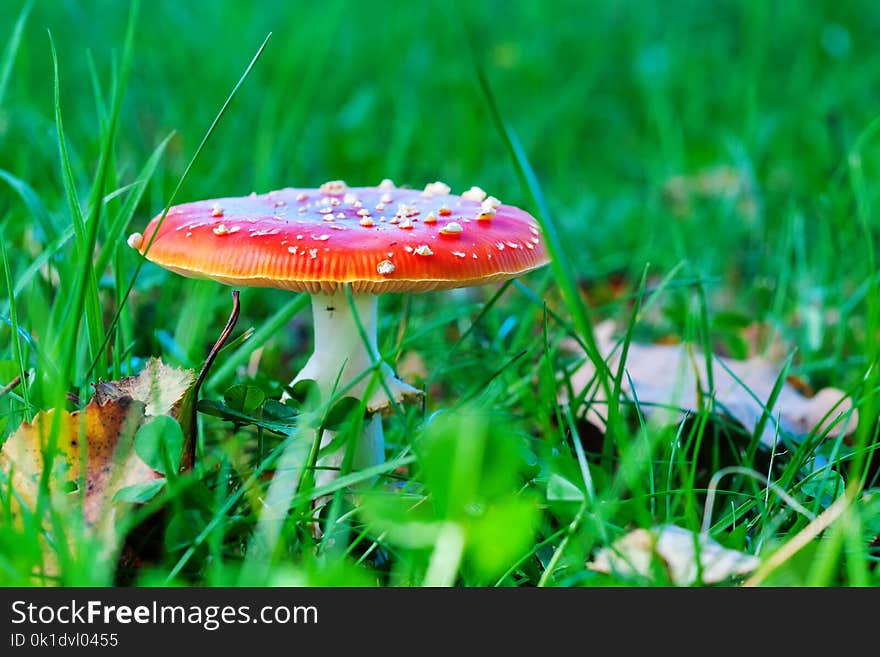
{"type": "Point", "coordinates": [609, 98]}
{"type": "Point", "coordinates": [713, 137]}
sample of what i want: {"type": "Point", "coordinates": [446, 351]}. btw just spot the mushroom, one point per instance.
{"type": "Point", "coordinates": [374, 239]}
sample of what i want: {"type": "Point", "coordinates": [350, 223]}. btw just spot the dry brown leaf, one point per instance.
{"type": "Point", "coordinates": [158, 386]}
{"type": "Point", "coordinates": [95, 446]}
{"type": "Point", "coordinates": [676, 549]}
{"type": "Point", "coordinates": [106, 434]}
{"type": "Point", "coordinates": [667, 380]}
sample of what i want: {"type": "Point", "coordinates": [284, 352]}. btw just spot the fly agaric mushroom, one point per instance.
{"type": "Point", "coordinates": [374, 239]}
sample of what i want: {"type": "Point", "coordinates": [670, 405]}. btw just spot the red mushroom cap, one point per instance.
{"type": "Point", "coordinates": [378, 239]}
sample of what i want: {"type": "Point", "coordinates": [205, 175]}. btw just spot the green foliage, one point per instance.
{"type": "Point", "coordinates": [707, 172]}
{"type": "Point", "coordinates": [247, 404]}
{"type": "Point", "coordinates": [473, 469]}
{"type": "Point", "coordinates": [139, 493]}
{"type": "Point", "coordinates": [159, 443]}
{"type": "Point", "coordinates": [244, 399]}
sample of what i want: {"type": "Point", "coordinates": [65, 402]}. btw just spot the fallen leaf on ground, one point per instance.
{"type": "Point", "coordinates": [94, 447]}
{"type": "Point", "coordinates": [670, 380]}
{"type": "Point", "coordinates": [158, 386]}
{"type": "Point", "coordinates": [675, 549]}
{"type": "Point", "coordinates": [110, 463]}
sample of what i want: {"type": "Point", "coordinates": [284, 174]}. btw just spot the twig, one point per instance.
{"type": "Point", "coordinates": [9, 386]}
{"type": "Point", "coordinates": [190, 456]}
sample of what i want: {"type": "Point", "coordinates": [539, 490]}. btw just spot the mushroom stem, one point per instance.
{"type": "Point", "coordinates": [341, 355]}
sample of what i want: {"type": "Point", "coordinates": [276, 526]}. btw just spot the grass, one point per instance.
{"type": "Point", "coordinates": [704, 172]}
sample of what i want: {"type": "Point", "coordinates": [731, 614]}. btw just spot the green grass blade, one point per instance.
{"type": "Point", "coordinates": [706, 335]}
{"type": "Point", "coordinates": [32, 201]}
{"type": "Point", "coordinates": [562, 269]}
{"type": "Point", "coordinates": [868, 405]}
{"type": "Point", "coordinates": [135, 194]}
{"type": "Point", "coordinates": [40, 261]}
{"type": "Point", "coordinates": [112, 119]}
{"type": "Point", "coordinates": [8, 58]}
{"type": "Point", "coordinates": [617, 383]}
{"type": "Point", "coordinates": [124, 299]}
{"type": "Point", "coordinates": [71, 327]}
{"type": "Point", "coordinates": [207, 136]}
{"type": "Point", "coordinates": [97, 337]}
{"type": "Point", "coordinates": [100, 106]}
{"type": "Point", "coordinates": [766, 413]}
{"type": "Point", "coordinates": [16, 342]}
{"type": "Point", "coordinates": [76, 214]}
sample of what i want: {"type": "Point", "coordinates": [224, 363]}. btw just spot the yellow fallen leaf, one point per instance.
{"type": "Point", "coordinates": [676, 550]}
{"type": "Point", "coordinates": [100, 437]}
{"type": "Point", "coordinates": [94, 455]}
